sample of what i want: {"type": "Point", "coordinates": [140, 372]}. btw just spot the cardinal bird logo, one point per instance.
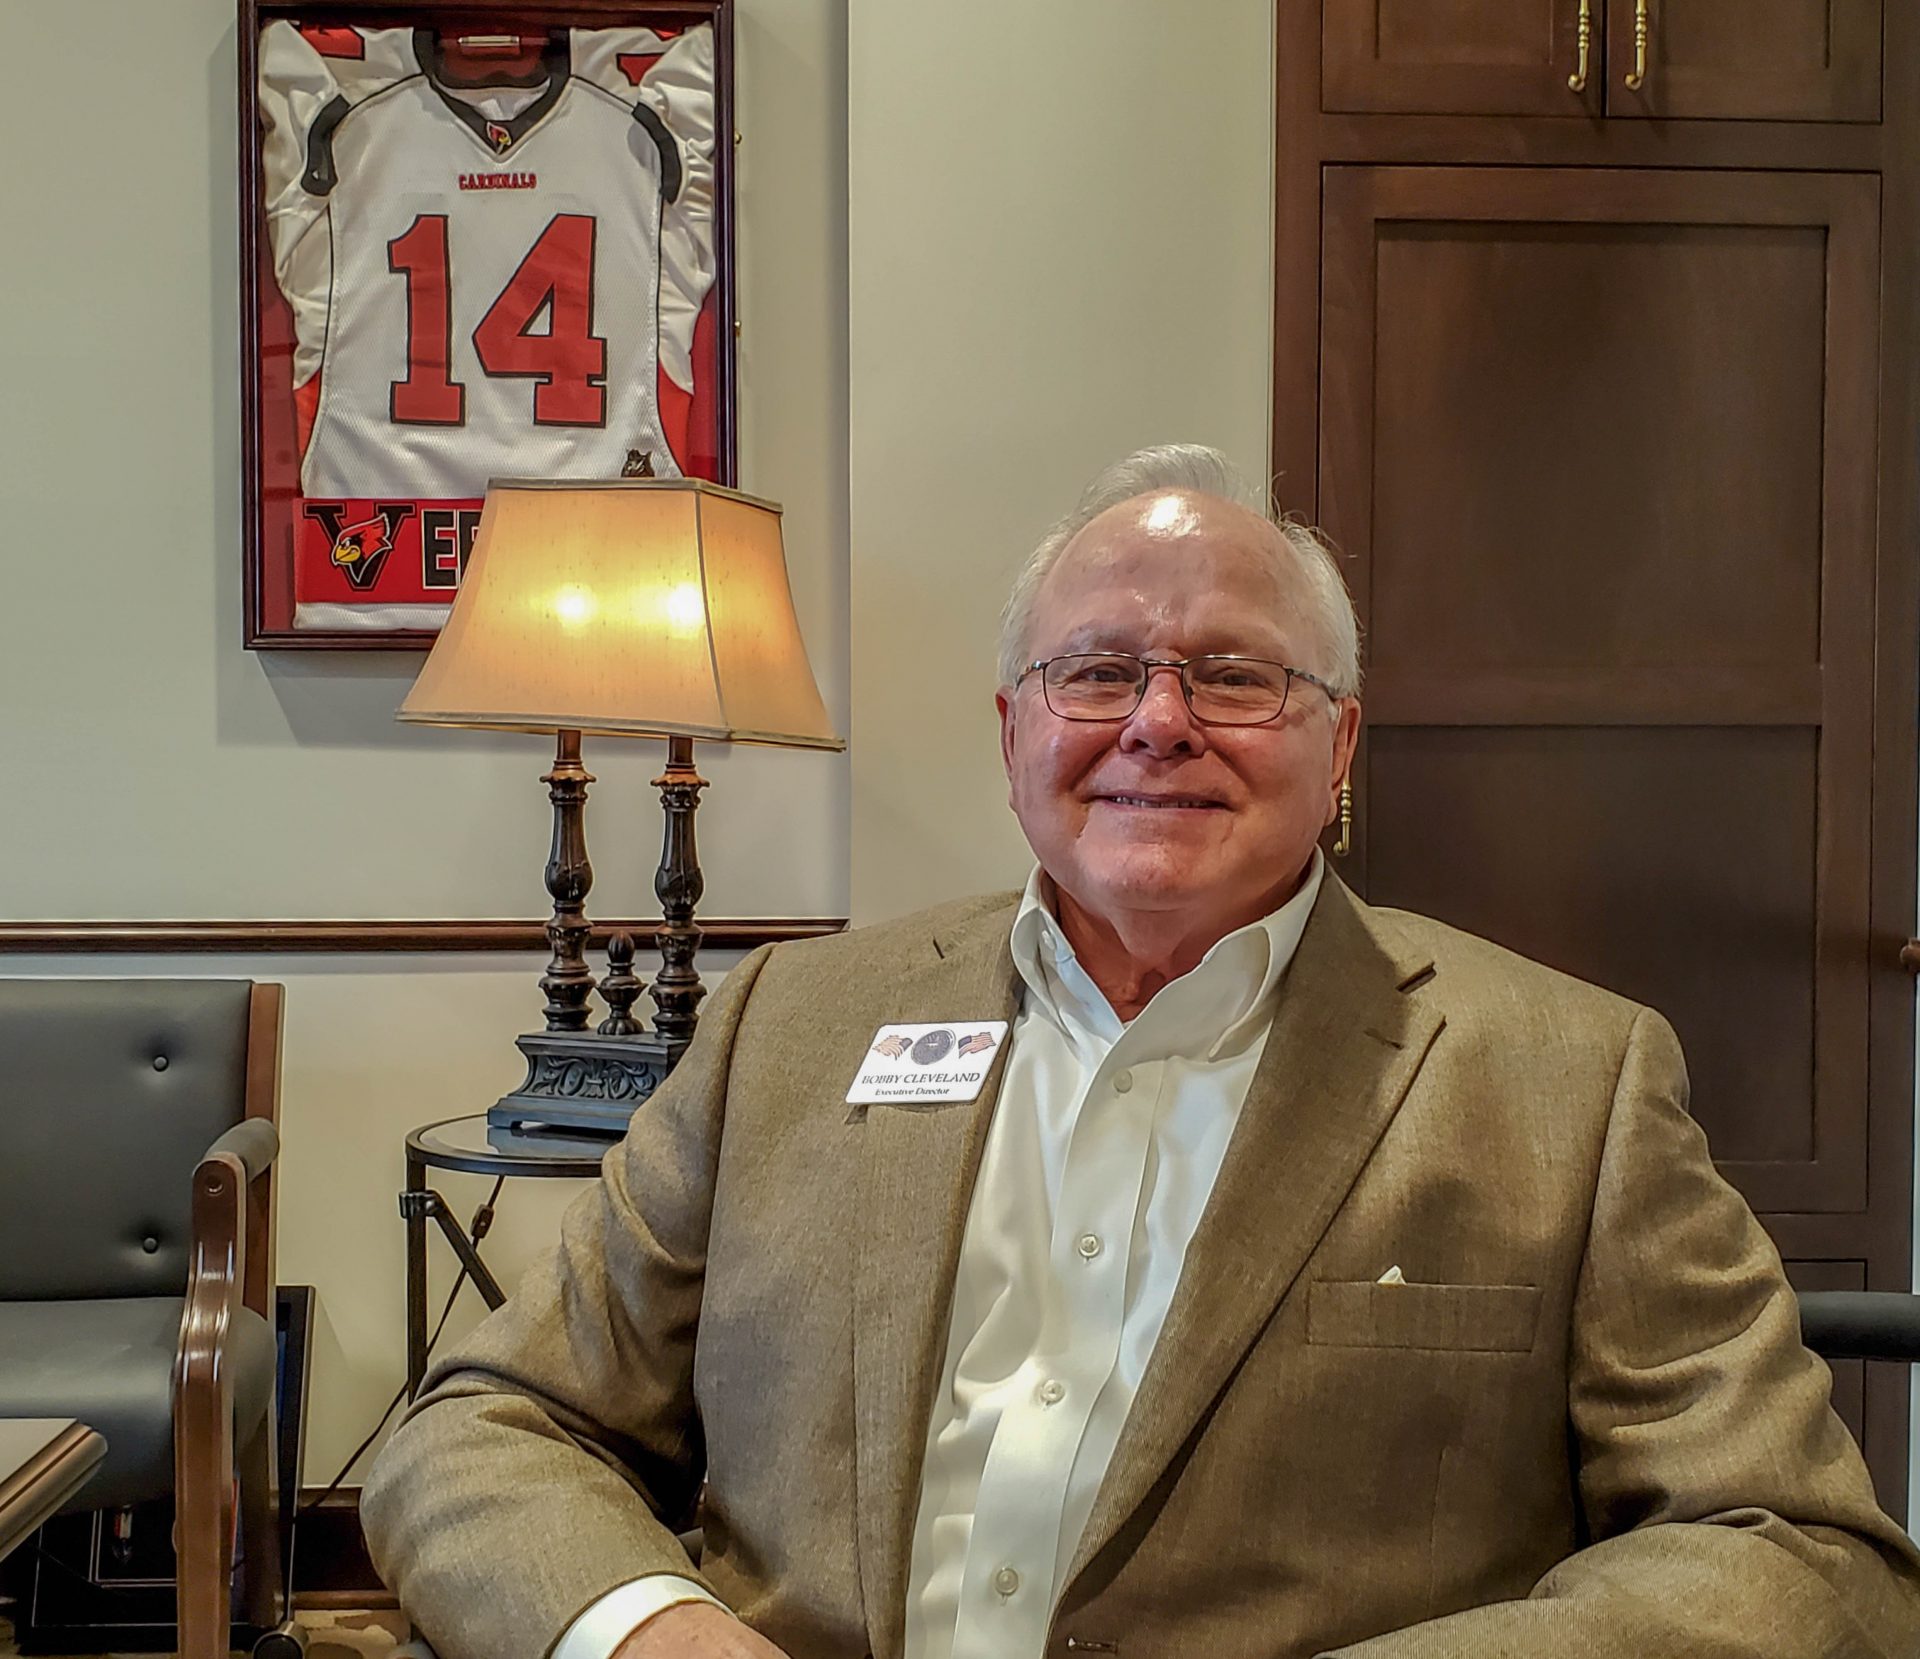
{"type": "Point", "coordinates": [359, 549]}
{"type": "Point", "coordinates": [498, 136]}
{"type": "Point", "coordinates": [362, 545]}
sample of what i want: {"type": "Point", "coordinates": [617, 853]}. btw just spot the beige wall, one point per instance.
{"type": "Point", "coordinates": [1058, 220]}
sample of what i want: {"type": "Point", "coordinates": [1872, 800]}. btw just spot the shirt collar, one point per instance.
{"type": "Point", "coordinates": [1229, 991]}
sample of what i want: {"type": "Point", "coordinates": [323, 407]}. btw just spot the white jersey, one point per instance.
{"type": "Point", "coordinates": [476, 278]}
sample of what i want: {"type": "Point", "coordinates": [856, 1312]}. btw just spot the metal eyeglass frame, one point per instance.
{"type": "Point", "coordinates": [1183, 664]}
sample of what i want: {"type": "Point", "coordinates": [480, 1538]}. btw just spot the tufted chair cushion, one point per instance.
{"type": "Point", "coordinates": [111, 1091]}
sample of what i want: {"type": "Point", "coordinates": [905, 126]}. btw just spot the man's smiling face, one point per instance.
{"type": "Point", "coordinates": [1160, 812]}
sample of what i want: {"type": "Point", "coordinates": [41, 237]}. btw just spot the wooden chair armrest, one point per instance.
{"type": "Point", "coordinates": [203, 1452]}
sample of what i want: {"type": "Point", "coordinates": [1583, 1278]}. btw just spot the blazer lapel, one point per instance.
{"type": "Point", "coordinates": [917, 1172]}
{"type": "Point", "coordinates": [1346, 1044]}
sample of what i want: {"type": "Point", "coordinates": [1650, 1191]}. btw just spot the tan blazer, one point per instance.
{"type": "Point", "coordinates": [1584, 1425]}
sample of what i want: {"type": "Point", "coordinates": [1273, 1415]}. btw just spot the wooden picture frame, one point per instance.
{"type": "Point", "coordinates": [442, 209]}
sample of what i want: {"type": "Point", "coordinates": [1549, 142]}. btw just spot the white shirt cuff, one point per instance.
{"type": "Point", "coordinates": [622, 1611]}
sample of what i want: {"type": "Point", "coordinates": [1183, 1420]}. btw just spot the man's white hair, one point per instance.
{"type": "Point", "coordinates": [1308, 560]}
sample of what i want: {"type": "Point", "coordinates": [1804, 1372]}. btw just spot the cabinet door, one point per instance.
{"type": "Point", "coordinates": [1763, 60]}
{"type": "Point", "coordinates": [1601, 448]}
{"type": "Point", "coordinates": [1460, 57]}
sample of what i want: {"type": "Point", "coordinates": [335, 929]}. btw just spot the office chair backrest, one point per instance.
{"type": "Point", "coordinates": [111, 1090]}
{"type": "Point", "coordinates": [1861, 1324]}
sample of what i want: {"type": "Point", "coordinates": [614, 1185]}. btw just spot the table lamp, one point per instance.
{"type": "Point", "coordinates": [638, 608]}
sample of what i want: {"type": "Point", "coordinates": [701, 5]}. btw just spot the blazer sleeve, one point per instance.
{"type": "Point", "coordinates": [1730, 1513]}
{"type": "Point", "coordinates": [553, 1453]}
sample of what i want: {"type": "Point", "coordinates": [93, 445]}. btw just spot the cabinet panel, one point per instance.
{"type": "Point", "coordinates": [1448, 57]}
{"type": "Point", "coordinates": [1675, 865]}
{"type": "Point", "coordinates": [1599, 447]}
{"type": "Point", "coordinates": [1778, 60]}
{"type": "Point", "coordinates": [1668, 533]}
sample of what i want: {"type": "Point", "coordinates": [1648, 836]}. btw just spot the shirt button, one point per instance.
{"type": "Point", "coordinates": [1089, 1245]}
{"type": "Point", "coordinates": [1122, 1081]}
{"type": "Point", "coordinates": [1006, 1581]}
{"type": "Point", "coordinates": [1052, 1391]}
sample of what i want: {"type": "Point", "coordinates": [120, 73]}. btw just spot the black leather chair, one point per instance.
{"type": "Point", "coordinates": [138, 1127]}
{"type": "Point", "coordinates": [1861, 1324]}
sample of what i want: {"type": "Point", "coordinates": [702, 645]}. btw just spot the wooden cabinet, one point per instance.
{"type": "Point", "coordinates": [1758, 60]}
{"type": "Point", "coordinates": [1609, 398]}
{"type": "Point", "coordinates": [1598, 444]}
{"type": "Point", "coordinates": [1762, 60]}
{"type": "Point", "coordinates": [1443, 57]}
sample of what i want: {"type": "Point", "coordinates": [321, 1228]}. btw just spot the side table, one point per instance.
{"type": "Point", "coordinates": [470, 1146]}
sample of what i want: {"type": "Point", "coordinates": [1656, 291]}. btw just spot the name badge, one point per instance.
{"type": "Point", "coordinates": [942, 1060]}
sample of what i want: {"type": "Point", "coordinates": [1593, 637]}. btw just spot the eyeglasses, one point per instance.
{"type": "Point", "coordinates": [1220, 690]}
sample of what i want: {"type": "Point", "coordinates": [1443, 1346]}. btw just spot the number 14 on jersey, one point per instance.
{"type": "Point", "coordinates": [539, 327]}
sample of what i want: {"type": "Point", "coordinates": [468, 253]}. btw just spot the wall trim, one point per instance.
{"type": "Point", "coordinates": [404, 934]}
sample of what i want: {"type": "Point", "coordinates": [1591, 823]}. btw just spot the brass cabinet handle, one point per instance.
{"type": "Point", "coordinates": [1642, 28]}
{"type": "Point", "coordinates": [1577, 81]}
{"type": "Point", "coordinates": [1343, 843]}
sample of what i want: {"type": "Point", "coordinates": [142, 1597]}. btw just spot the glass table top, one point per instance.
{"type": "Point", "coordinates": [479, 1148]}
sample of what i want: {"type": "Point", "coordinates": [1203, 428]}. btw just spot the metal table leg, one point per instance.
{"type": "Point", "coordinates": [432, 1207]}
{"type": "Point", "coordinates": [416, 1219]}
{"type": "Point", "coordinates": [419, 1204]}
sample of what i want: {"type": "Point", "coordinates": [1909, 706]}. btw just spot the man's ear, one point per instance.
{"type": "Point", "coordinates": [1003, 703]}
{"type": "Point", "coordinates": [1346, 737]}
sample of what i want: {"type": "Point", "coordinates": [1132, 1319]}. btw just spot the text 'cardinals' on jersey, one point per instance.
{"type": "Point", "coordinates": [493, 269]}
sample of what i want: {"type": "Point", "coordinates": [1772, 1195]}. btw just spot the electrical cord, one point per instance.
{"type": "Point", "coordinates": [482, 1223]}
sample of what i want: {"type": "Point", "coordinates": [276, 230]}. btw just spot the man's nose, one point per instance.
{"type": "Point", "coordinates": [1164, 721]}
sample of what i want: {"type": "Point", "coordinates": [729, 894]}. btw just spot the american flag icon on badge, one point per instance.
{"type": "Point", "coordinates": [976, 1043]}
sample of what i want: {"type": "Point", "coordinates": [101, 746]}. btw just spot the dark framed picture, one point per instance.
{"type": "Point", "coordinates": [479, 240]}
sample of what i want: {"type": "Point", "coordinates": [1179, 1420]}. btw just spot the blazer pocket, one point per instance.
{"type": "Point", "coordinates": [1495, 1319]}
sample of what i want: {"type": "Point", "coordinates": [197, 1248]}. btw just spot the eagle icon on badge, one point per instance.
{"type": "Point", "coordinates": [932, 1048]}
{"type": "Point", "coordinates": [892, 1047]}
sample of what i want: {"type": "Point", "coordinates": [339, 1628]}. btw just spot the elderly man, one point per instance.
{"type": "Point", "coordinates": [1177, 1258]}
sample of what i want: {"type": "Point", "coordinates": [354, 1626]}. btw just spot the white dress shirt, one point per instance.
{"type": "Point", "coordinates": [1104, 1148]}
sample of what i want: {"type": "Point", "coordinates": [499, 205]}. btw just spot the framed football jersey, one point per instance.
{"type": "Point", "coordinates": [483, 240]}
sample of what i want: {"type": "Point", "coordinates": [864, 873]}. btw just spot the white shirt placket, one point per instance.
{"type": "Point", "coordinates": [1006, 1596]}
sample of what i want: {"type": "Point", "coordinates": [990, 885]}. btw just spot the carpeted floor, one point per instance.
{"type": "Point", "coordinates": [331, 1635]}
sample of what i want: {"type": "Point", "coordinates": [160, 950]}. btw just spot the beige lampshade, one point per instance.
{"type": "Point", "coordinates": [656, 607]}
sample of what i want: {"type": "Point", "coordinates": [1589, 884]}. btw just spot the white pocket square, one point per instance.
{"type": "Point", "coordinates": [1392, 1276]}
